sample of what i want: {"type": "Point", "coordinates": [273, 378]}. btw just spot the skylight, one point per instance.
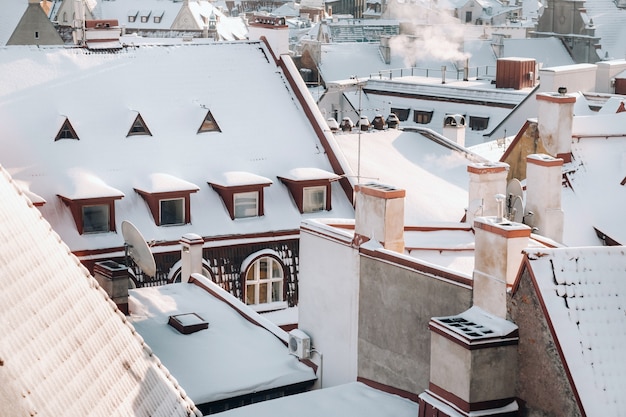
{"type": "Point", "coordinates": [209, 124]}
{"type": "Point", "coordinates": [66, 131]}
{"type": "Point", "coordinates": [139, 127]}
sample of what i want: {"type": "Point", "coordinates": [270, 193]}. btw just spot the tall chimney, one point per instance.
{"type": "Point", "coordinates": [113, 278]}
{"type": "Point", "coordinates": [555, 117]}
{"type": "Point", "coordinates": [486, 181]}
{"type": "Point", "coordinates": [380, 215]}
{"type": "Point", "coordinates": [497, 258]}
{"type": "Point", "coordinates": [191, 255]}
{"type": "Point", "coordinates": [544, 178]}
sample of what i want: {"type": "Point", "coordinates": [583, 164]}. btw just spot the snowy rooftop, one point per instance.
{"type": "Point", "coordinates": [583, 291]}
{"type": "Point", "coordinates": [352, 399]}
{"type": "Point", "coordinates": [431, 169]}
{"type": "Point", "coordinates": [595, 194]}
{"type": "Point", "coordinates": [209, 364]}
{"type": "Point", "coordinates": [12, 12]}
{"type": "Point", "coordinates": [101, 94]}
{"type": "Point", "coordinates": [63, 341]}
{"type": "Point", "coordinates": [608, 20]}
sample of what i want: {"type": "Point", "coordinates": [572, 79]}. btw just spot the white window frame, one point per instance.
{"type": "Point", "coordinates": [161, 201]}
{"type": "Point", "coordinates": [255, 280]}
{"type": "Point", "coordinates": [107, 217]}
{"type": "Point", "coordinates": [249, 211]}
{"type": "Point", "coordinates": [308, 206]}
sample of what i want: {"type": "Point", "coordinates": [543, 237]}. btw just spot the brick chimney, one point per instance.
{"type": "Point", "coordinates": [380, 215]}
{"type": "Point", "coordinates": [486, 180]}
{"type": "Point", "coordinates": [497, 258]}
{"type": "Point", "coordinates": [191, 256]}
{"type": "Point", "coordinates": [555, 118]}
{"type": "Point", "coordinates": [113, 278]}
{"type": "Point", "coordinates": [544, 176]}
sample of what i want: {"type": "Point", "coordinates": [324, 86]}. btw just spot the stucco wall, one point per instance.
{"type": "Point", "coordinates": [328, 304]}
{"type": "Point", "coordinates": [396, 304]}
{"type": "Point", "coordinates": [542, 382]}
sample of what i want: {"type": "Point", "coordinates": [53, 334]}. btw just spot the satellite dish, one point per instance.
{"type": "Point", "coordinates": [515, 200]}
{"type": "Point", "coordinates": [138, 249]}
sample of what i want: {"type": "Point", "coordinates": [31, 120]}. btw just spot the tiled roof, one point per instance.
{"type": "Point", "coordinates": [584, 293]}
{"type": "Point", "coordinates": [65, 348]}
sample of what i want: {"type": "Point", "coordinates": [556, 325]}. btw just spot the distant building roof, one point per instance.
{"type": "Point", "coordinates": [583, 294]}
{"type": "Point", "coordinates": [64, 343]}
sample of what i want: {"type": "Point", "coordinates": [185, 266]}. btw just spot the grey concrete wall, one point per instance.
{"type": "Point", "coordinates": [395, 306]}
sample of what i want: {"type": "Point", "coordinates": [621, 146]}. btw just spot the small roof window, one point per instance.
{"type": "Point", "coordinates": [188, 323]}
{"type": "Point", "coordinates": [139, 127]}
{"type": "Point", "coordinates": [66, 132]}
{"type": "Point", "coordinates": [209, 124]}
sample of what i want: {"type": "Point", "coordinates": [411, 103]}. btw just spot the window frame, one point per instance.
{"type": "Point", "coordinates": [181, 210]}
{"type": "Point", "coordinates": [153, 200]}
{"type": "Point", "coordinates": [401, 113]}
{"type": "Point", "coordinates": [66, 126]}
{"type": "Point", "coordinates": [478, 123]}
{"type": "Point", "coordinates": [107, 215]}
{"type": "Point", "coordinates": [258, 281]}
{"type": "Point", "coordinates": [76, 208]}
{"type": "Point", "coordinates": [422, 117]}
{"type": "Point", "coordinates": [209, 124]}
{"type": "Point", "coordinates": [296, 189]}
{"type": "Point", "coordinates": [247, 195]}
{"type": "Point", "coordinates": [139, 122]}
{"type": "Point", "coordinates": [227, 193]}
{"type": "Point", "coordinates": [307, 192]}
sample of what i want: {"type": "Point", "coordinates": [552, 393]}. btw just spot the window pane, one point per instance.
{"type": "Point", "coordinates": [314, 199]}
{"type": "Point", "coordinates": [263, 268]}
{"type": "Point", "coordinates": [246, 204]}
{"type": "Point", "coordinates": [263, 293]}
{"type": "Point", "coordinates": [277, 291]}
{"type": "Point", "coordinates": [250, 298]}
{"type": "Point", "coordinates": [96, 219]}
{"type": "Point", "coordinates": [277, 271]}
{"type": "Point", "coordinates": [172, 211]}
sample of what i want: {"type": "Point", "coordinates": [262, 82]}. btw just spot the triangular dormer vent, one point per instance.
{"type": "Point", "coordinates": [66, 131]}
{"type": "Point", "coordinates": [209, 124]}
{"type": "Point", "coordinates": [139, 127]}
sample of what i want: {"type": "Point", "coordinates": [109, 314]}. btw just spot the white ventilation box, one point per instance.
{"type": "Point", "coordinates": [299, 344]}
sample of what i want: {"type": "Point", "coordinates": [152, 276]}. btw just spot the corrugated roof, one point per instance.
{"type": "Point", "coordinates": [65, 348]}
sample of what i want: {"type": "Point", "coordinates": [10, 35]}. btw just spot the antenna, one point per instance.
{"type": "Point", "coordinates": [515, 201]}
{"type": "Point", "coordinates": [136, 247]}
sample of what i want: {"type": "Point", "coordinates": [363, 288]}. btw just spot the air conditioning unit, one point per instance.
{"type": "Point", "coordinates": [299, 344]}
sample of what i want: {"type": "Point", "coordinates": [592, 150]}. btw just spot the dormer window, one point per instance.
{"type": "Point", "coordinates": [422, 117]}
{"type": "Point", "coordinates": [139, 127]}
{"type": "Point", "coordinates": [66, 131]}
{"type": "Point", "coordinates": [158, 16]}
{"type": "Point", "coordinates": [132, 15]}
{"type": "Point", "coordinates": [242, 193]}
{"type": "Point", "coordinates": [209, 124]}
{"type": "Point", "coordinates": [402, 113]}
{"type": "Point", "coordinates": [310, 188]}
{"type": "Point", "coordinates": [478, 123]}
{"type": "Point", "coordinates": [145, 16]}
{"type": "Point", "coordinates": [168, 198]}
{"type": "Point", "coordinates": [92, 204]}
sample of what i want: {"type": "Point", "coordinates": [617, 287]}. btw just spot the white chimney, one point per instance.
{"type": "Point", "coordinates": [497, 258]}
{"type": "Point", "coordinates": [380, 215]}
{"type": "Point", "coordinates": [191, 255]}
{"type": "Point", "coordinates": [273, 30]}
{"type": "Point", "coordinates": [544, 177]}
{"type": "Point", "coordinates": [454, 128]}
{"type": "Point", "coordinates": [555, 118]}
{"type": "Point", "coordinates": [486, 181]}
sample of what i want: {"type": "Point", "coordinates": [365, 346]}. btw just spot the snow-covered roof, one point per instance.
{"type": "Point", "coordinates": [12, 12]}
{"type": "Point", "coordinates": [583, 291]}
{"type": "Point", "coordinates": [352, 399]}
{"type": "Point", "coordinates": [211, 364]}
{"type": "Point", "coordinates": [595, 194]}
{"type": "Point", "coordinates": [547, 52]}
{"type": "Point", "coordinates": [173, 88]}
{"type": "Point", "coordinates": [64, 343]}
{"type": "Point", "coordinates": [431, 169]}
{"type": "Point", "coordinates": [608, 21]}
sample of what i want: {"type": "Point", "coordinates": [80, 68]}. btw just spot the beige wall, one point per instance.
{"type": "Point", "coordinates": [395, 305]}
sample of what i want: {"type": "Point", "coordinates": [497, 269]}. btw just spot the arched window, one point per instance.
{"type": "Point", "coordinates": [264, 281]}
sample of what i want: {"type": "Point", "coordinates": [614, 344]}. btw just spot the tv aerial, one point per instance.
{"type": "Point", "coordinates": [137, 248]}
{"type": "Point", "coordinates": [515, 201]}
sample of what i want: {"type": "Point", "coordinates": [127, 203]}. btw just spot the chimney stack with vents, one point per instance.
{"type": "Point", "coordinates": [454, 128]}
{"type": "Point", "coordinates": [380, 215]}
{"type": "Point", "coordinates": [113, 278]}
{"type": "Point", "coordinates": [556, 115]}
{"type": "Point", "coordinates": [544, 177]}
{"type": "Point", "coordinates": [486, 180]}
{"type": "Point", "coordinates": [191, 256]}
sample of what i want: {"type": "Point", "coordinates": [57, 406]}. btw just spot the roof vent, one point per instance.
{"type": "Point", "coordinates": [188, 323]}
